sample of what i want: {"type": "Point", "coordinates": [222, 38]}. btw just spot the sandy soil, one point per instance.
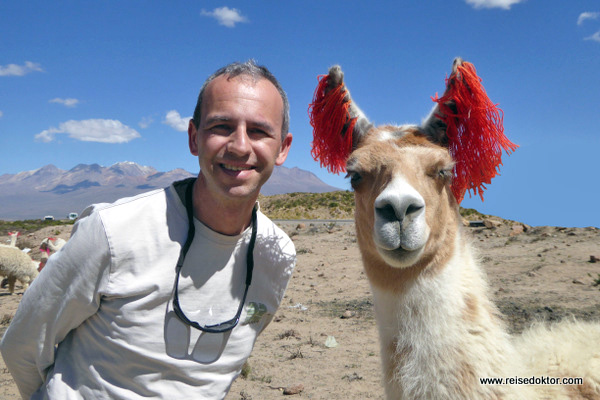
{"type": "Point", "coordinates": [323, 339]}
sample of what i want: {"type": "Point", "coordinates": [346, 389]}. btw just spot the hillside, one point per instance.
{"type": "Point", "coordinates": [331, 205]}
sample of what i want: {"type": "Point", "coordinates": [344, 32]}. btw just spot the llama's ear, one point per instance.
{"type": "Point", "coordinates": [338, 124]}
{"type": "Point", "coordinates": [466, 121]}
{"type": "Point", "coordinates": [434, 125]}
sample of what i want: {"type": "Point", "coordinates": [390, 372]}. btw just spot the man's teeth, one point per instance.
{"type": "Point", "coordinates": [235, 168]}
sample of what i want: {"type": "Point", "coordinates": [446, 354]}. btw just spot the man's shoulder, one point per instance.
{"type": "Point", "coordinates": [268, 224]}
{"type": "Point", "coordinates": [135, 205]}
{"type": "Point", "coordinates": [270, 229]}
{"type": "Point", "coordinates": [126, 202]}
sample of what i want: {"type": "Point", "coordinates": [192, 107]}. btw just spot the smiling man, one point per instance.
{"type": "Point", "coordinates": [163, 295]}
{"type": "Point", "coordinates": [238, 135]}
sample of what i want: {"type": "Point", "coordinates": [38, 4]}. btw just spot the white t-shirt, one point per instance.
{"type": "Point", "coordinates": [98, 322]}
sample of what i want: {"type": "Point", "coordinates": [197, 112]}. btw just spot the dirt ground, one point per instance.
{"type": "Point", "coordinates": [323, 341]}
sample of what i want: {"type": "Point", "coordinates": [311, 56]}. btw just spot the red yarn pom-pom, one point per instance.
{"type": "Point", "coordinates": [475, 131]}
{"type": "Point", "coordinates": [332, 126]}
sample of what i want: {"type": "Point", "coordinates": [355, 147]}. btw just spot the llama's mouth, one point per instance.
{"type": "Point", "coordinates": [398, 236]}
{"type": "Point", "coordinates": [400, 258]}
{"type": "Point", "coordinates": [400, 246]}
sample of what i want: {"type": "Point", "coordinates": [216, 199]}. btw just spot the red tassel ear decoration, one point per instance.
{"type": "Point", "coordinates": [332, 125]}
{"type": "Point", "coordinates": [475, 131]}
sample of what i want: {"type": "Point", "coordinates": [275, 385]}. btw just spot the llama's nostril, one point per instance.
{"type": "Point", "coordinates": [413, 208]}
{"type": "Point", "coordinates": [387, 213]}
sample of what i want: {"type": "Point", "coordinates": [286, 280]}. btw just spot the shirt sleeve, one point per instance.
{"type": "Point", "coordinates": [64, 295]}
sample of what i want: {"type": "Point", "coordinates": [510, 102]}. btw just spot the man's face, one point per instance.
{"type": "Point", "coordinates": [238, 141]}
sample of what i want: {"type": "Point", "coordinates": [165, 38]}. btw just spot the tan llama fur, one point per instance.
{"type": "Point", "coordinates": [439, 331]}
{"type": "Point", "coordinates": [17, 265]}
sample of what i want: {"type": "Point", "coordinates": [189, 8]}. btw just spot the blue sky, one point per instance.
{"type": "Point", "coordinates": [109, 81]}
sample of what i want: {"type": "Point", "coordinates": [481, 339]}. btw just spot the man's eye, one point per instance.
{"type": "Point", "coordinates": [257, 132]}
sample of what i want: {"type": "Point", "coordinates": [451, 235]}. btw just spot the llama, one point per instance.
{"type": "Point", "coordinates": [13, 239]}
{"type": "Point", "coordinates": [52, 244]}
{"type": "Point", "coordinates": [439, 331]}
{"type": "Point", "coordinates": [13, 243]}
{"type": "Point", "coordinates": [49, 244]}
{"type": "Point", "coordinates": [17, 265]}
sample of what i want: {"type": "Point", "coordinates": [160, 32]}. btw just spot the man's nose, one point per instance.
{"type": "Point", "coordinates": [239, 142]}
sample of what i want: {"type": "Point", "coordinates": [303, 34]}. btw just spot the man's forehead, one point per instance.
{"type": "Point", "coordinates": [260, 94]}
{"type": "Point", "coordinates": [243, 79]}
{"type": "Point", "coordinates": [242, 86]}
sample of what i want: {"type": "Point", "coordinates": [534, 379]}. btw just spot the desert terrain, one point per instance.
{"type": "Point", "coordinates": [323, 343]}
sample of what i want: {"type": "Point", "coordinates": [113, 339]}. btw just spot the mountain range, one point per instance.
{"type": "Point", "coordinates": [52, 191]}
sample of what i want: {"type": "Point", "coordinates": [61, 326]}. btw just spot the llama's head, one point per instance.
{"type": "Point", "coordinates": [406, 210]}
{"type": "Point", "coordinates": [404, 205]}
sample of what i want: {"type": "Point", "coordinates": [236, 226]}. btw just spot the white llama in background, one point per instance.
{"type": "Point", "coordinates": [439, 331]}
{"type": "Point", "coordinates": [13, 239]}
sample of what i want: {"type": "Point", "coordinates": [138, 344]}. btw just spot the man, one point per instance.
{"type": "Point", "coordinates": [163, 295]}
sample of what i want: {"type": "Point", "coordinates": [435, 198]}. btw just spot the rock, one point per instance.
{"type": "Point", "coordinates": [517, 229]}
{"type": "Point", "coordinates": [300, 226]}
{"type": "Point", "coordinates": [466, 222]}
{"type": "Point", "coordinates": [577, 282]}
{"type": "Point", "coordinates": [348, 314]}
{"type": "Point", "coordinates": [330, 342]}
{"type": "Point", "coordinates": [593, 259]}
{"type": "Point", "coordinates": [294, 389]}
{"type": "Point", "coordinates": [491, 223]}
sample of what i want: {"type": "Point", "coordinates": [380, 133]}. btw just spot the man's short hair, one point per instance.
{"type": "Point", "coordinates": [256, 72]}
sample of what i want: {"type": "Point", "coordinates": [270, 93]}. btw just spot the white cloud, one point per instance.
{"type": "Point", "coordinates": [225, 16]}
{"type": "Point", "coordinates": [587, 15]}
{"type": "Point", "coordinates": [505, 4]}
{"type": "Point", "coordinates": [92, 130]}
{"type": "Point", "coordinates": [65, 102]}
{"type": "Point", "coordinates": [595, 37]}
{"type": "Point", "coordinates": [175, 121]}
{"type": "Point", "coordinates": [20, 70]}
{"type": "Point", "coordinates": [145, 122]}
{"type": "Point", "coordinates": [1, 114]}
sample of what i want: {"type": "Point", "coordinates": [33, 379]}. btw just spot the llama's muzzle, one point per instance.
{"type": "Point", "coordinates": [400, 229]}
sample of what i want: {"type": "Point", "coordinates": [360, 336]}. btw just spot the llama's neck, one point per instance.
{"type": "Point", "coordinates": [439, 334]}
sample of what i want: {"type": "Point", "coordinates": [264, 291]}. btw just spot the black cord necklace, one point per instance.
{"type": "Point", "coordinates": [229, 324]}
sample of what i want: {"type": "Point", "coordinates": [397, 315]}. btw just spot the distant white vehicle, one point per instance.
{"type": "Point", "coordinates": [48, 218]}
{"type": "Point", "coordinates": [72, 216]}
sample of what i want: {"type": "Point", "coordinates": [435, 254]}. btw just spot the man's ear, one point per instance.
{"type": "Point", "coordinates": [284, 150]}
{"type": "Point", "coordinates": [192, 138]}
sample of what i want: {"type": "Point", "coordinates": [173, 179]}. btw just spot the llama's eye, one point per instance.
{"type": "Point", "coordinates": [445, 173]}
{"type": "Point", "coordinates": [355, 178]}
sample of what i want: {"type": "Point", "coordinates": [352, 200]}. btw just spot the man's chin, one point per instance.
{"type": "Point", "coordinates": [242, 192]}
